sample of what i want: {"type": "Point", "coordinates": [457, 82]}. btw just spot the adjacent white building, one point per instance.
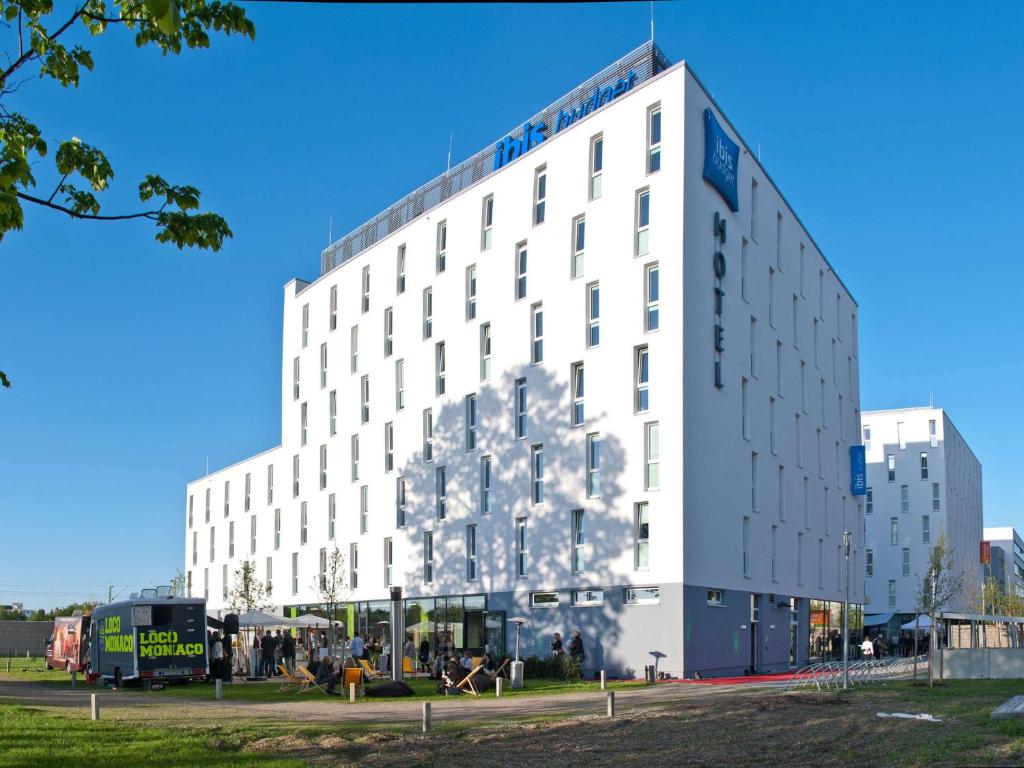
{"type": "Point", "coordinates": [568, 381]}
{"type": "Point", "coordinates": [923, 481]}
{"type": "Point", "coordinates": [1007, 558]}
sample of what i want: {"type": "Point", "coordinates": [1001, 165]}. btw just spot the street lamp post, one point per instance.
{"type": "Point", "coordinates": [846, 612]}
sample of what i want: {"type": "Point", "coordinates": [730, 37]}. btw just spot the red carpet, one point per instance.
{"type": "Point", "coordinates": [772, 678]}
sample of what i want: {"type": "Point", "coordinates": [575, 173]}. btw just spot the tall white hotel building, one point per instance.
{"type": "Point", "coordinates": [532, 388]}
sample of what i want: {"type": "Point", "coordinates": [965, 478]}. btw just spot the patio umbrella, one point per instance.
{"type": "Point", "coordinates": [263, 619]}
{"type": "Point", "coordinates": [311, 620]}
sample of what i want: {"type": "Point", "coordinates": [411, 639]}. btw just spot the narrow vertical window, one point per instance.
{"type": "Point", "coordinates": [894, 531]}
{"type": "Point", "coordinates": [428, 434]}
{"type": "Point", "coordinates": [277, 529]}
{"type": "Point", "coordinates": [248, 491]}
{"type": "Point", "coordinates": [295, 379]}
{"type": "Point", "coordinates": [641, 536]}
{"type": "Point", "coordinates": [305, 325]}
{"type": "Point", "coordinates": [778, 368]}
{"type": "Point", "coordinates": [303, 523]}
{"type": "Point", "coordinates": [364, 399]}
{"type": "Point", "coordinates": [389, 447]}
{"type": "Point", "coordinates": [579, 241]}
{"type": "Point", "coordinates": [774, 552]}
{"type": "Point", "coordinates": [441, 491]}
{"type": "Point", "coordinates": [803, 386]}
{"type": "Point", "coordinates": [332, 516]}
{"type": "Point", "coordinates": [333, 321]}
{"type": "Point", "coordinates": [926, 534]}
{"type": "Point", "coordinates": [485, 352]}
{"type": "Point", "coordinates": [745, 409]}
{"type": "Point", "coordinates": [744, 294]}
{"type": "Point", "coordinates": [354, 349]}
{"type": "Point", "coordinates": [540, 194]}
{"type": "Point", "coordinates": [364, 508]}
{"type": "Point", "coordinates": [869, 501]}
{"type": "Point", "coordinates": [753, 210]}
{"type": "Point", "coordinates": [799, 559]}
{"type": "Point", "coordinates": [537, 473]}
{"type": "Point", "coordinates": [190, 510]}
{"type": "Point", "coordinates": [428, 313]}
{"type": "Point", "coordinates": [399, 385]}
{"type": "Point", "coordinates": [537, 333]}
{"type": "Point", "coordinates": [521, 271]}
{"type": "Point", "coordinates": [522, 553]}
{"type": "Point", "coordinates": [440, 368]}
{"type": "Point", "coordinates": [389, 331]}
{"type": "Point", "coordinates": [933, 437]}
{"type": "Point", "coordinates": [520, 408]}
{"type": "Point", "coordinates": [799, 443]}
{"type": "Point", "coordinates": [746, 546]}
{"type": "Point", "coordinates": [227, 497]}
{"type": "Point", "coordinates": [867, 437]}
{"type": "Point", "coordinates": [773, 443]}
{"type": "Point", "coordinates": [485, 485]}
{"type": "Point", "coordinates": [471, 423]}
{"type": "Point", "coordinates": [782, 492]}
{"type": "Point", "coordinates": [428, 557]}
{"type": "Point", "coordinates": [755, 495]}
{"type": "Point", "coordinates": [366, 290]}
{"type": "Point", "coordinates": [400, 271]}
{"type": "Point", "coordinates": [654, 139]}
{"type": "Point", "coordinates": [807, 503]}
{"type": "Point", "coordinates": [295, 476]}
{"type": "Point", "coordinates": [892, 593]}
{"type": "Point", "coordinates": [354, 443]}
{"type": "Point", "coordinates": [353, 566]}
{"type": "Point", "coordinates": [869, 562]}
{"type": "Point", "coordinates": [323, 467]}
{"type": "Point", "coordinates": [651, 298]}
{"type": "Point", "coordinates": [596, 166]}
{"type": "Point", "coordinates": [470, 553]}
{"type": "Point", "coordinates": [643, 223]}
{"type": "Point", "coordinates": [231, 539]}
{"type": "Point", "coordinates": [817, 345]}
{"type": "Point", "coordinates": [270, 484]}
{"type": "Point", "coordinates": [578, 555]}
{"type": "Point", "coordinates": [577, 394]}
{"type": "Point", "coordinates": [906, 561]}
{"type": "Point", "coordinates": [270, 575]}
{"type": "Point", "coordinates": [593, 315]}
{"type": "Point", "coordinates": [643, 379]}
{"type": "Point", "coordinates": [753, 347]}
{"type": "Point", "coordinates": [442, 246]}
{"type": "Point", "coordinates": [904, 498]}
{"type": "Point", "coordinates": [778, 241]}
{"type": "Point", "coordinates": [252, 535]}
{"type": "Point", "coordinates": [935, 498]}
{"type": "Point", "coordinates": [593, 465]}
{"type": "Point", "coordinates": [323, 366]}
{"type": "Point", "coordinates": [796, 322]}
{"type": "Point", "coordinates": [890, 462]}
{"type": "Point", "coordinates": [400, 507]}
{"type": "Point", "coordinates": [487, 223]}
{"type": "Point", "coordinates": [471, 292]}
{"type": "Point", "coordinates": [802, 259]}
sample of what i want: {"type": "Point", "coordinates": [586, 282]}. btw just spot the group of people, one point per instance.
{"type": "Point", "coordinates": [274, 650]}
{"type": "Point", "coordinates": [576, 652]}
{"type": "Point", "coordinates": [220, 655]}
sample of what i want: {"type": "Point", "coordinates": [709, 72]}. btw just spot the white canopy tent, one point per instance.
{"type": "Point", "coordinates": [263, 619]}
{"type": "Point", "coordinates": [312, 620]}
{"type": "Point", "coordinates": [923, 622]}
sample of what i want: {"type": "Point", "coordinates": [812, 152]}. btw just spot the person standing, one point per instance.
{"type": "Point", "coordinates": [576, 651]}
{"type": "Point", "coordinates": [357, 646]}
{"type": "Point", "coordinates": [867, 648]}
{"type": "Point", "coordinates": [556, 645]}
{"type": "Point", "coordinates": [216, 656]}
{"type": "Point", "coordinates": [267, 654]}
{"type": "Point", "coordinates": [288, 651]}
{"type": "Point", "coordinates": [409, 651]}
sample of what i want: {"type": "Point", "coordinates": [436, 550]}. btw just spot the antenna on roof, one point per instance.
{"type": "Point", "coordinates": [652, 21]}
{"type": "Point", "coordinates": [330, 230]}
{"type": "Point", "coordinates": [931, 399]}
{"type": "Point", "coordinates": [446, 170]}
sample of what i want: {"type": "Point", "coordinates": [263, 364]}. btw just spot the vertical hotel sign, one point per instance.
{"type": "Point", "coordinates": [858, 471]}
{"type": "Point", "coordinates": [721, 160]}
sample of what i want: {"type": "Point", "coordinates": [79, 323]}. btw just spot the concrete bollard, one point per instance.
{"type": "Point", "coordinates": [352, 693]}
{"type": "Point", "coordinates": [95, 707]}
{"type": "Point", "coordinates": [74, 679]}
{"type": "Point", "coordinates": [27, 656]}
{"type": "Point", "coordinates": [426, 717]}
{"type": "Point", "coordinates": [499, 687]}
{"type": "Point", "coordinates": [218, 688]}
{"type": "Point", "coordinates": [602, 680]}
{"type": "Point", "coordinates": [611, 703]}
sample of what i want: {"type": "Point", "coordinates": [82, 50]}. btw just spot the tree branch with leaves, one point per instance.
{"type": "Point", "coordinates": [332, 589]}
{"type": "Point", "coordinates": [940, 586]}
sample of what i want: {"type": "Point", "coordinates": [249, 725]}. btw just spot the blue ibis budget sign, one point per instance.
{"type": "Point", "coordinates": [721, 160]}
{"type": "Point", "coordinates": [858, 471]}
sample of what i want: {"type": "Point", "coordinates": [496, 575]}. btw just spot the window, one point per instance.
{"type": "Point", "coordinates": [596, 166]}
{"type": "Point", "coordinates": [643, 223]}
{"type": "Point", "coordinates": [521, 271]}
{"type": "Point", "coordinates": [901, 436]}
{"type": "Point", "coordinates": [904, 498]}
{"type": "Point", "coordinates": [924, 465]}
{"type": "Point", "coordinates": [364, 399]}
{"type": "Point", "coordinates": [743, 271]}
{"type": "Point", "coordinates": [364, 508]}
{"type": "Point", "coordinates": [771, 297]}
{"type": "Point", "coordinates": [778, 241]}
{"type": "Point", "coordinates": [540, 194]}
{"type": "Point", "coordinates": [400, 507]}
{"type": "Point", "coordinates": [323, 467]}
{"type": "Point", "coordinates": [807, 504]}
{"type": "Point", "coordinates": [537, 473]}
{"type": "Point", "coordinates": [821, 563]}
{"type": "Point", "coordinates": [890, 462]}
{"type": "Point", "coordinates": [305, 325]}
{"type": "Point", "coordinates": [428, 313]}
{"type": "Point", "coordinates": [906, 561]}
{"type": "Point", "coordinates": [354, 349]}
{"type": "Point", "coordinates": [428, 434]}
{"type": "Point", "coordinates": [782, 492]}
{"type": "Point", "coordinates": [400, 271]}
{"type": "Point", "coordinates": [642, 399]}
{"type": "Point", "coordinates": [654, 139]}
{"type": "Point", "coordinates": [537, 331]}
{"type": "Point", "coordinates": [471, 423]}
{"type": "Point", "coordinates": [389, 447]}
{"type": "Point", "coordinates": [867, 437]}
{"type": "Point", "coordinates": [578, 555]}
{"type": "Point", "coordinates": [303, 523]}
{"type": "Point", "coordinates": [745, 410]}
{"type": "Point", "coordinates": [577, 394]}
{"type": "Point", "coordinates": [231, 539]}
{"type": "Point", "coordinates": [892, 593]}
{"type": "Point", "coordinates": [224, 581]}
{"type": "Point", "coordinates": [796, 322]}
{"type": "Point", "coordinates": [802, 259]}
{"type": "Point", "coordinates": [753, 210]}
{"type": "Point", "coordinates": [755, 496]}
{"type": "Point", "coordinates": [641, 536]}
{"type": "Point", "coordinates": [277, 529]}
{"type": "Point", "coordinates": [520, 408]}
{"type": "Point", "coordinates": [353, 566]}
{"type": "Point", "coordinates": [487, 223]}
{"type": "Point", "coordinates": [366, 290]}
{"type": "Point", "coordinates": [869, 501]}
{"type": "Point", "coordinates": [195, 547]}
{"type": "Point", "coordinates": [190, 510]}
{"type": "Point", "coordinates": [227, 497]}
{"type": "Point", "coordinates": [322, 578]}
{"type": "Point", "coordinates": [773, 443]}
{"type": "Point", "coordinates": [440, 365]}
{"type": "Point", "coordinates": [652, 320]}
{"type": "Point", "coordinates": [799, 443]}
{"type": "Point", "coordinates": [926, 535]}
{"type": "Point", "coordinates": [774, 552]}
{"type": "Point", "coordinates": [652, 457]}
{"type": "Point", "coordinates": [485, 485]}
{"type": "Point", "coordinates": [295, 573]}
{"type": "Point", "coordinates": [816, 344]}
{"type": "Point", "coordinates": [332, 516]}
{"type": "Point", "coordinates": [295, 476]}
{"type": "Point", "coordinates": [543, 599]}
{"type": "Point", "coordinates": [869, 562]}
{"type": "Point", "coordinates": [932, 436]}
{"type": "Point", "coordinates": [389, 331]}
{"type": "Point", "coordinates": [593, 465]}
{"type": "Point", "coordinates": [303, 423]}
{"type": "Point", "coordinates": [746, 546]}
{"type": "Point", "coordinates": [803, 386]}
{"type": "Point", "coordinates": [715, 597]}
{"type": "Point", "coordinates": [522, 553]}
{"type": "Point", "coordinates": [270, 575]}
{"type": "Point", "coordinates": [799, 559]}
{"type": "Point", "coordinates": [333, 412]}
{"type": "Point", "coordinates": [295, 379]}
{"type": "Point", "coordinates": [355, 458]}
{"type": "Point", "coordinates": [441, 491]}
{"type": "Point", "coordinates": [399, 385]}
{"type": "Point", "coordinates": [593, 315]}
{"type": "Point", "coordinates": [642, 595]}
{"type": "Point", "coordinates": [470, 553]}
{"type": "Point", "coordinates": [333, 323]}
{"type": "Point", "coordinates": [428, 557]}
{"type": "Point", "coordinates": [894, 531]}
{"type": "Point", "coordinates": [582, 598]}
{"type": "Point", "coordinates": [935, 497]}
{"type": "Point", "coordinates": [485, 352]}
{"type": "Point", "coordinates": [821, 294]}
{"type": "Point", "coordinates": [753, 347]}
{"type": "Point", "coordinates": [471, 292]}
{"type": "Point", "coordinates": [442, 246]}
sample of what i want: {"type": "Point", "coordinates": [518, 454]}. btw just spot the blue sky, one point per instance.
{"type": "Point", "coordinates": [889, 128]}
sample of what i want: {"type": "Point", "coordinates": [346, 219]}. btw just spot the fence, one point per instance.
{"type": "Point", "coordinates": [17, 637]}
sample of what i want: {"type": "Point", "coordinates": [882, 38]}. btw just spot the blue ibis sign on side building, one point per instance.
{"type": "Point", "coordinates": [858, 471]}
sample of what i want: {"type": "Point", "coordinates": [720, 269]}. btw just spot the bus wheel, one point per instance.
{"type": "Point", "coordinates": [117, 678]}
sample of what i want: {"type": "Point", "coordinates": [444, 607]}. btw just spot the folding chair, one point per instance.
{"type": "Point", "coordinates": [310, 682]}
{"type": "Point", "coordinates": [352, 675]}
{"type": "Point", "coordinates": [290, 681]}
{"type": "Point", "coordinates": [466, 684]}
{"type": "Point", "coordinates": [370, 672]}
{"type": "Point", "coordinates": [496, 673]}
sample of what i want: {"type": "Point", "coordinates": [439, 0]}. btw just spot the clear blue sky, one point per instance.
{"type": "Point", "coordinates": [891, 129]}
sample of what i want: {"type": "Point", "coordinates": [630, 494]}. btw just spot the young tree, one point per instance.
{"type": "Point", "coordinates": [247, 594]}
{"type": "Point", "coordinates": [332, 589]}
{"type": "Point", "coordinates": [43, 44]}
{"type": "Point", "coordinates": [179, 585]}
{"type": "Point", "coordinates": [938, 587]}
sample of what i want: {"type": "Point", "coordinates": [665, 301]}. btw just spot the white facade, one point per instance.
{"type": "Point", "coordinates": [923, 481]}
{"type": "Point", "coordinates": [1009, 541]}
{"type": "Point", "coordinates": [737, 503]}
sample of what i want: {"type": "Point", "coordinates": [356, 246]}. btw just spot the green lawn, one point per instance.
{"type": "Point", "coordinates": [31, 669]}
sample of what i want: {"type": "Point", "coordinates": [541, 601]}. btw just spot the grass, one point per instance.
{"type": "Point", "coordinates": [31, 669]}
